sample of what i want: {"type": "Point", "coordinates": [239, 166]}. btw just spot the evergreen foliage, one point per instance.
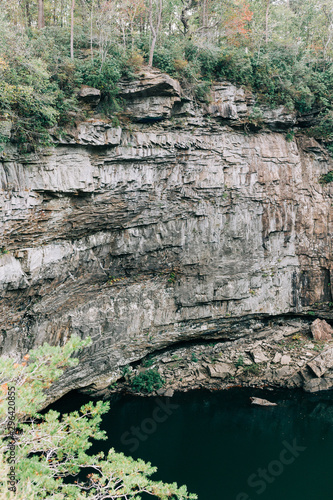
{"type": "Point", "coordinates": [52, 451]}
{"type": "Point", "coordinates": [147, 381]}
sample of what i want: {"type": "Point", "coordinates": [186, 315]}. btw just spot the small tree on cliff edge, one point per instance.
{"type": "Point", "coordinates": [51, 448]}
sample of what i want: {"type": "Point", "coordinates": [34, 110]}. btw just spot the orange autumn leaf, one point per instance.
{"type": "Point", "coordinates": [4, 388]}
{"type": "Point", "coordinates": [237, 22]}
{"type": "Point", "coordinates": [26, 357]}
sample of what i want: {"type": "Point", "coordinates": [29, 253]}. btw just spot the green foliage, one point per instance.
{"type": "Point", "coordinates": [256, 117]}
{"type": "Point", "coordinates": [290, 65]}
{"type": "Point", "coordinates": [52, 450]}
{"type": "Point", "coordinates": [324, 127]}
{"type": "Point", "coordinates": [253, 369]}
{"type": "Point", "coordinates": [126, 370]}
{"type": "Point", "coordinates": [147, 381]}
{"type": "Point", "coordinates": [239, 362]}
{"type": "Point", "coordinates": [326, 178]}
{"type": "Point", "coordinates": [290, 136]}
{"type": "Point", "coordinates": [148, 362]}
{"type": "Point", "coordinates": [194, 358]}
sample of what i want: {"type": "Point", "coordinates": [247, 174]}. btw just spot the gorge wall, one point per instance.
{"type": "Point", "coordinates": [179, 224]}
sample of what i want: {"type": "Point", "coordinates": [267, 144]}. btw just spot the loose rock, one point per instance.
{"type": "Point", "coordinates": [321, 330]}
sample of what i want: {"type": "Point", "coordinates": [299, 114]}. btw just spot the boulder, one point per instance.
{"type": "Point", "coordinates": [5, 128]}
{"type": "Point", "coordinates": [285, 360]}
{"type": "Point", "coordinates": [149, 83]}
{"type": "Point", "coordinates": [169, 393]}
{"type": "Point", "coordinates": [151, 97]}
{"type": "Point", "coordinates": [320, 364]}
{"type": "Point", "coordinates": [259, 355]}
{"type": "Point", "coordinates": [261, 402]}
{"type": "Point", "coordinates": [321, 330]}
{"type": "Point", "coordinates": [277, 357]}
{"type": "Point", "coordinates": [318, 384]}
{"type": "Point", "coordinates": [221, 370]}
{"type": "Point", "coordinates": [89, 95]}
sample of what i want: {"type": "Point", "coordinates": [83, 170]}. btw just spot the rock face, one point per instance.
{"type": "Point", "coordinates": [89, 95]}
{"type": "Point", "coordinates": [235, 105]}
{"type": "Point", "coordinates": [152, 98]}
{"type": "Point", "coordinates": [173, 228]}
{"type": "Point", "coordinates": [321, 330]}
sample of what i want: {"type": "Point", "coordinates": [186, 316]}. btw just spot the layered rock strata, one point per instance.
{"type": "Point", "coordinates": [176, 226]}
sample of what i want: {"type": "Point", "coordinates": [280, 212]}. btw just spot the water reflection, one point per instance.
{"type": "Point", "coordinates": [225, 449]}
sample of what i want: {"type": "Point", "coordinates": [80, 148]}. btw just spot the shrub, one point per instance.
{"type": "Point", "coordinates": [326, 178]}
{"type": "Point", "coordinates": [239, 362]}
{"type": "Point", "coordinates": [194, 358]}
{"type": "Point", "coordinates": [147, 381]}
{"type": "Point", "coordinates": [253, 369]}
{"type": "Point", "coordinates": [180, 64]}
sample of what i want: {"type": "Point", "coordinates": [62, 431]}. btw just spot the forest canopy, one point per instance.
{"type": "Point", "coordinates": [280, 49]}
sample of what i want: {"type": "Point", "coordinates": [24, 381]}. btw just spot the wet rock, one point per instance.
{"type": "Point", "coordinates": [261, 402]}
{"type": "Point", "coordinates": [169, 393]}
{"type": "Point", "coordinates": [318, 384]}
{"type": "Point", "coordinates": [321, 330]}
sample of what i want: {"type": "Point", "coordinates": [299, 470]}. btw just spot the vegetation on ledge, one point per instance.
{"type": "Point", "coordinates": [280, 49]}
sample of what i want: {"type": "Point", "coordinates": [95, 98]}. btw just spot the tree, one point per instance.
{"type": "Point", "coordinates": [41, 18]}
{"type": "Point", "coordinates": [154, 26]}
{"type": "Point", "coordinates": [266, 19]}
{"type": "Point", "coordinates": [187, 4]}
{"type": "Point", "coordinates": [72, 28]}
{"type": "Point", "coordinates": [51, 450]}
{"type": "Point", "coordinates": [237, 19]}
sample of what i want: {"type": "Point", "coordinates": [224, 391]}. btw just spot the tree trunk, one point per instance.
{"type": "Point", "coordinates": [61, 13]}
{"type": "Point", "coordinates": [183, 16]}
{"type": "Point", "coordinates": [91, 30]}
{"type": "Point", "coordinates": [28, 13]}
{"type": "Point", "coordinates": [154, 31]}
{"type": "Point", "coordinates": [204, 8]}
{"type": "Point", "coordinates": [266, 20]}
{"type": "Point", "coordinates": [72, 29]}
{"type": "Point", "coordinates": [41, 19]}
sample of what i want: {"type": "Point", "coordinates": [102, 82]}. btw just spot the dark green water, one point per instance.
{"type": "Point", "coordinates": [223, 448]}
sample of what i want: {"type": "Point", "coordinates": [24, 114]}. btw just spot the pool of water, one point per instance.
{"type": "Point", "coordinates": [223, 448]}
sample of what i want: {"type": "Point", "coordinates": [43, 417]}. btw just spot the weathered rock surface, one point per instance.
{"type": "Point", "coordinates": [321, 330]}
{"type": "Point", "coordinates": [236, 105]}
{"type": "Point", "coordinates": [90, 94]}
{"type": "Point", "coordinates": [173, 229]}
{"type": "Point", "coordinates": [261, 402]}
{"type": "Point", "coordinates": [221, 370]}
{"type": "Point", "coordinates": [322, 363]}
{"type": "Point", "coordinates": [152, 98]}
{"type": "Point", "coordinates": [222, 365]}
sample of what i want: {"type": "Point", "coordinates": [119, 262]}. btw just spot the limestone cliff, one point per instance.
{"type": "Point", "coordinates": [179, 224]}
